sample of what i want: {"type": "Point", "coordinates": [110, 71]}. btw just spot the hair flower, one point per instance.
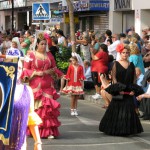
{"type": "Point", "coordinates": [120, 47]}
{"type": "Point", "coordinates": [46, 36]}
{"type": "Point", "coordinates": [41, 36]}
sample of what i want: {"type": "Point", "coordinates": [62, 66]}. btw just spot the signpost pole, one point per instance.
{"type": "Point", "coordinates": [41, 25]}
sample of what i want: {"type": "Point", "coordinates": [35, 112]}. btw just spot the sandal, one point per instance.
{"type": "Point", "coordinates": [38, 145]}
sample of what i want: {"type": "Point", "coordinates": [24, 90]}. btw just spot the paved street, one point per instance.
{"type": "Point", "coordinates": [81, 132]}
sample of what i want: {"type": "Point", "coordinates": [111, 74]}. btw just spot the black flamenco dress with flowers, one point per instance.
{"type": "Point", "coordinates": [120, 119]}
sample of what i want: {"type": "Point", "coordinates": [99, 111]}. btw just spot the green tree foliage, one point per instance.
{"type": "Point", "coordinates": [62, 58]}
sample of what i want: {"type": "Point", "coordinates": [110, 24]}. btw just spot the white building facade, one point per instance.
{"type": "Point", "coordinates": [125, 14]}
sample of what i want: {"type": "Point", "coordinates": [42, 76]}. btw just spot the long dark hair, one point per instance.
{"type": "Point", "coordinates": [38, 41]}
{"type": "Point", "coordinates": [104, 47]}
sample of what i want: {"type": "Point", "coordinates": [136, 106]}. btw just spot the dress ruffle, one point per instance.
{"type": "Point", "coordinates": [123, 120]}
{"type": "Point", "coordinates": [39, 94]}
{"type": "Point", "coordinates": [49, 113]}
{"type": "Point", "coordinates": [74, 90]}
{"type": "Point", "coordinates": [136, 89]}
{"type": "Point", "coordinates": [27, 74]}
{"type": "Point", "coordinates": [114, 89]}
{"type": "Point", "coordinates": [34, 119]}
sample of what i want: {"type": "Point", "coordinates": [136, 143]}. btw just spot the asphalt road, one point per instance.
{"type": "Point", "coordinates": [81, 132]}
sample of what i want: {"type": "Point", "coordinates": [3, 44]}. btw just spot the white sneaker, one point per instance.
{"type": "Point", "coordinates": [93, 96]}
{"type": "Point", "coordinates": [72, 112]}
{"type": "Point", "coordinates": [75, 112]}
{"type": "Point", "coordinates": [51, 137]}
{"type": "Point", "coordinates": [97, 96]}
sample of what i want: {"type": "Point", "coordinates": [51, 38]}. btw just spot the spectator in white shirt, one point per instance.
{"type": "Point", "coordinates": [61, 38]}
{"type": "Point", "coordinates": [108, 35]}
{"type": "Point", "coordinates": [112, 47]}
{"type": "Point", "coordinates": [88, 82]}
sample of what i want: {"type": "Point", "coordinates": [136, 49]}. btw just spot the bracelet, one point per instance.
{"type": "Point", "coordinates": [142, 96]}
{"type": "Point", "coordinates": [38, 142]}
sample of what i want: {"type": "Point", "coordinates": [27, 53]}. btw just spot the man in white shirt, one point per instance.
{"type": "Point", "coordinates": [112, 47]}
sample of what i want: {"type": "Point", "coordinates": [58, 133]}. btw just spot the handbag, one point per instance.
{"type": "Point", "coordinates": [117, 97]}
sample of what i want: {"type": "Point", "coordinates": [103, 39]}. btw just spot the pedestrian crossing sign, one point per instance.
{"type": "Point", "coordinates": [40, 11]}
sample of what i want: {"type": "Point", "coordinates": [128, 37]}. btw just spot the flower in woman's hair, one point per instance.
{"type": "Point", "coordinates": [120, 47]}
{"type": "Point", "coordinates": [46, 36]}
{"type": "Point", "coordinates": [41, 36]}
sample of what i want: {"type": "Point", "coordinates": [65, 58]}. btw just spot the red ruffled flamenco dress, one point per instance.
{"type": "Point", "coordinates": [74, 77]}
{"type": "Point", "coordinates": [45, 95]}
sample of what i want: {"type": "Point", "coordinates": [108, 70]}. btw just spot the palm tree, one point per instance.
{"type": "Point", "coordinates": [72, 28]}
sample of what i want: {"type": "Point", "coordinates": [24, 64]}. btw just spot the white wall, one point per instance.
{"type": "Point", "coordinates": [142, 20]}
{"type": "Point", "coordinates": [141, 4]}
{"type": "Point", "coordinates": [145, 18]}
{"type": "Point", "coordinates": [129, 20]}
{"type": "Point", "coordinates": [115, 19]}
{"type": "Point", "coordinates": [119, 21]}
{"type": "Point", "coordinates": [29, 2]}
{"type": "Point", "coordinates": [2, 20]}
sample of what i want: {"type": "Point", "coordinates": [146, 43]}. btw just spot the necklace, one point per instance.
{"type": "Point", "coordinates": [42, 59]}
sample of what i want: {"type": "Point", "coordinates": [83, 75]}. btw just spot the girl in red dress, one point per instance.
{"type": "Point", "coordinates": [75, 78]}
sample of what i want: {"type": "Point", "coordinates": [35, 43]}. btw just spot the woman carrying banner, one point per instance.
{"type": "Point", "coordinates": [23, 116]}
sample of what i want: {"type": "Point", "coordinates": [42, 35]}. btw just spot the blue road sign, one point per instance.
{"type": "Point", "coordinates": [40, 11]}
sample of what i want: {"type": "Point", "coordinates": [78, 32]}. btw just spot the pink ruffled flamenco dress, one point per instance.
{"type": "Point", "coordinates": [45, 95]}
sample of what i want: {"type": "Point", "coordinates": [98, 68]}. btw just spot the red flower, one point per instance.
{"type": "Point", "coordinates": [46, 36]}
{"type": "Point", "coordinates": [49, 42]}
{"type": "Point", "coordinates": [120, 47]}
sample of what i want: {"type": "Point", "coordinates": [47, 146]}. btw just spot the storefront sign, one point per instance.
{"type": "Point", "coordinates": [67, 20]}
{"type": "Point", "coordinates": [97, 5]}
{"type": "Point", "coordinates": [88, 5]}
{"type": "Point", "coordinates": [82, 5]}
{"type": "Point", "coordinates": [8, 4]}
{"type": "Point", "coordinates": [122, 4]}
{"type": "Point", "coordinates": [56, 14]}
{"type": "Point", "coordinates": [56, 20]}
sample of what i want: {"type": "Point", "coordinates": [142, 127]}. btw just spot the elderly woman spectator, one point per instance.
{"type": "Point", "coordinates": [146, 45]}
{"type": "Point", "coordinates": [136, 57]}
{"type": "Point", "coordinates": [145, 99]}
{"type": "Point", "coordinates": [88, 82]}
{"type": "Point", "coordinates": [85, 46]}
{"type": "Point", "coordinates": [146, 57]}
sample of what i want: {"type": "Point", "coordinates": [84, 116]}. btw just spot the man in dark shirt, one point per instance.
{"type": "Point", "coordinates": [54, 48]}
